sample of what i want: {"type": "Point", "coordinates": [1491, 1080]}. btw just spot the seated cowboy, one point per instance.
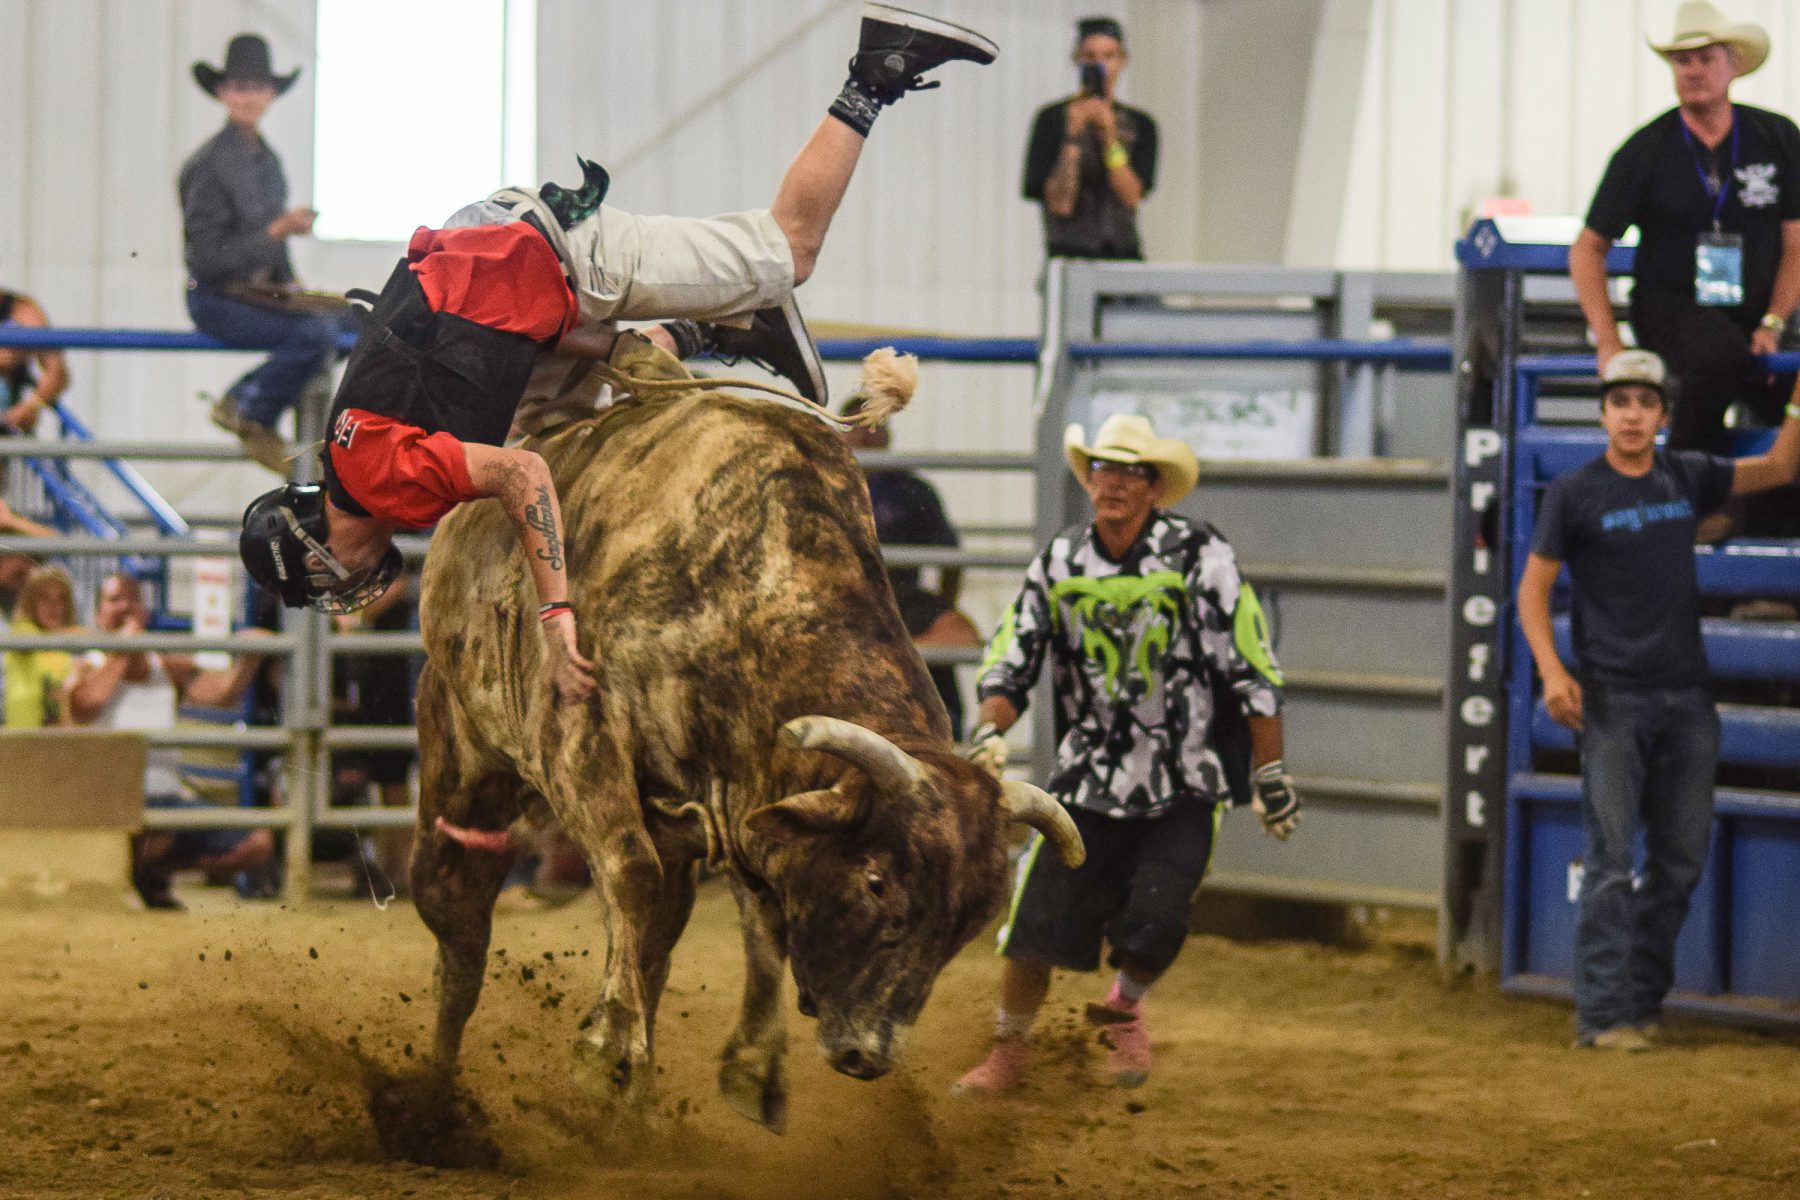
{"type": "Point", "coordinates": [476, 309]}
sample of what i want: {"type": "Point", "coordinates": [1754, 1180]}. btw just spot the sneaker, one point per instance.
{"type": "Point", "coordinates": [1001, 1071]}
{"type": "Point", "coordinates": [778, 342]}
{"type": "Point", "coordinates": [1128, 1060]}
{"type": "Point", "coordinates": [1620, 1037]}
{"type": "Point", "coordinates": [897, 47]}
{"type": "Point", "coordinates": [1650, 1030]}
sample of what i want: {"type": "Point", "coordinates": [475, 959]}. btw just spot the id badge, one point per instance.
{"type": "Point", "coordinates": [1719, 269]}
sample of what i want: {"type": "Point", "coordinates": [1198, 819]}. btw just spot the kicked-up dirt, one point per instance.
{"type": "Point", "coordinates": [236, 1050]}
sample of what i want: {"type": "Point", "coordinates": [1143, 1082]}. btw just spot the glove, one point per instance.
{"type": "Point", "coordinates": [1276, 802]}
{"type": "Point", "coordinates": [987, 749]}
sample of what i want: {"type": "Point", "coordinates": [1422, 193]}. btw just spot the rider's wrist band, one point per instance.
{"type": "Point", "coordinates": [551, 609]}
{"type": "Point", "coordinates": [1773, 321]}
{"type": "Point", "coordinates": [1116, 157]}
{"type": "Point", "coordinates": [1793, 410]}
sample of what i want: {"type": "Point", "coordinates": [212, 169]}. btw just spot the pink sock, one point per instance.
{"type": "Point", "coordinates": [1118, 998]}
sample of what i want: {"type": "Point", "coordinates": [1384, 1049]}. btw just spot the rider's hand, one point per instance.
{"type": "Point", "coordinates": [572, 674]}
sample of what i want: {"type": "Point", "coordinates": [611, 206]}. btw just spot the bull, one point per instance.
{"type": "Point", "coordinates": [761, 708]}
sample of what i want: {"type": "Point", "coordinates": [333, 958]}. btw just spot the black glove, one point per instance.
{"type": "Point", "coordinates": [1276, 801]}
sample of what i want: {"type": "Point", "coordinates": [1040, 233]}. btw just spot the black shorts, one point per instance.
{"type": "Point", "coordinates": [1134, 890]}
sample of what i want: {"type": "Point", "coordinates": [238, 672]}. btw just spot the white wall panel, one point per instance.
{"type": "Point", "coordinates": [696, 105]}
{"type": "Point", "coordinates": [1467, 99]}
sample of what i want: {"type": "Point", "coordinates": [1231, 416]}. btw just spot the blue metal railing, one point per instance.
{"type": "Point", "coordinates": [1752, 735]}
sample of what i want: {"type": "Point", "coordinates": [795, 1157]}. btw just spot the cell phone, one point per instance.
{"type": "Point", "coordinates": [1093, 78]}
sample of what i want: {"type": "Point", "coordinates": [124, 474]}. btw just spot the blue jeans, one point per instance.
{"type": "Point", "coordinates": [1647, 761]}
{"type": "Point", "coordinates": [301, 345]}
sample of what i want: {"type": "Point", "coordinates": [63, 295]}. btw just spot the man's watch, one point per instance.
{"type": "Point", "coordinates": [1773, 322]}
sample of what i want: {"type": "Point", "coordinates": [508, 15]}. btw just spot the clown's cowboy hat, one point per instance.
{"type": "Point", "coordinates": [246, 58]}
{"type": "Point", "coordinates": [1128, 438]}
{"type": "Point", "coordinates": [1699, 24]}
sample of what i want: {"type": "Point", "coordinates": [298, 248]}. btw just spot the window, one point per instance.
{"type": "Point", "coordinates": [421, 106]}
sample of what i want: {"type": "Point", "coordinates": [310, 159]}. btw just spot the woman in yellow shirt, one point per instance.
{"type": "Point", "coordinates": [34, 678]}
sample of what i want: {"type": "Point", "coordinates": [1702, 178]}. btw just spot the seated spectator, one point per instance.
{"type": "Point", "coordinates": [123, 690]}
{"type": "Point", "coordinates": [236, 223]}
{"type": "Point", "coordinates": [909, 512]}
{"type": "Point", "coordinates": [30, 380]}
{"type": "Point", "coordinates": [15, 569]}
{"type": "Point", "coordinates": [35, 678]}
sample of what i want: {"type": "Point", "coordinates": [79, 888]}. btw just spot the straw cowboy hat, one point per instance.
{"type": "Point", "coordinates": [246, 58]}
{"type": "Point", "coordinates": [1128, 438]}
{"type": "Point", "coordinates": [1699, 24]}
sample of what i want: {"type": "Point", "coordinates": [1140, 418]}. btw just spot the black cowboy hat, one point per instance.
{"type": "Point", "coordinates": [247, 57]}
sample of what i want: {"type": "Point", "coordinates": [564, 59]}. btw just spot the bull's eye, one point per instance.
{"type": "Point", "coordinates": [877, 885]}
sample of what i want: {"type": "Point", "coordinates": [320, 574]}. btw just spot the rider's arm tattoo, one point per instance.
{"type": "Point", "coordinates": [541, 516]}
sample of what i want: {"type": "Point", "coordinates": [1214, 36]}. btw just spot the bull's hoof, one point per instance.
{"type": "Point", "coordinates": [756, 1088]}
{"type": "Point", "coordinates": [620, 1077]}
{"type": "Point", "coordinates": [425, 1118]}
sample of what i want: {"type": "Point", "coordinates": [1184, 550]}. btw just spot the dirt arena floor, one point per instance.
{"type": "Point", "coordinates": [229, 1051]}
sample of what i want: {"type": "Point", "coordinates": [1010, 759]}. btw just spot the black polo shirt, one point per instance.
{"type": "Point", "coordinates": [1654, 182]}
{"type": "Point", "coordinates": [1100, 226]}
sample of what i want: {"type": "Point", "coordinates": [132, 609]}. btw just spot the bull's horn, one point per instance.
{"type": "Point", "coordinates": [892, 769]}
{"type": "Point", "coordinates": [1040, 810]}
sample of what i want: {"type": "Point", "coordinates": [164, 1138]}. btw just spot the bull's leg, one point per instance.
{"type": "Point", "coordinates": [593, 790]}
{"type": "Point", "coordinates": [454, 886]}
{"type": "Point", "coordinates": [670, 916]}
{"type": "Point", "coordinates": [752, 1075]}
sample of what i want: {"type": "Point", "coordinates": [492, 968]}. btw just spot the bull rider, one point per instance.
{"type": "Point", "coordinates": [1168, 702]}
{"type": "Point", "coordinates": [526, 284]}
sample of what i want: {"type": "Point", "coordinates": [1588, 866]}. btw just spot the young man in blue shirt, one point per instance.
{"type": "Point", "coordinates": [1640, 699]}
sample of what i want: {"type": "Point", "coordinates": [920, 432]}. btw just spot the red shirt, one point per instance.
{"type": "Point", "coordinates": [398, 471]}
{"type": "Point", "coordinates": [503, 276]}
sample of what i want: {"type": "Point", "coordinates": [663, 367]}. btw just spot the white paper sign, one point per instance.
{"type": "Point", "coordinates": [1220, 421]}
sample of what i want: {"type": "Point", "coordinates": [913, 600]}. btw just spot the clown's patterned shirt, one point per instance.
{"type": "Point", "coordinates": [1134, 647]}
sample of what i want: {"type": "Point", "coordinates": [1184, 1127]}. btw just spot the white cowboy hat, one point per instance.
{"type": "Point", "coordinates": [1128, 438]}
{"type": "Point", "coordinates": [1699, 24]}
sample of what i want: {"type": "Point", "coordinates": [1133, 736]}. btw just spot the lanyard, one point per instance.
{"type": "Point", "coordinates": [1718, 197]}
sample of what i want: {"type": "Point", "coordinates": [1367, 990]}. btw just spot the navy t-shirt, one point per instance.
{"type": "Point", "coordinates": [1655, 181]}
{"type": "Point", "coordinates": [1629, 545]}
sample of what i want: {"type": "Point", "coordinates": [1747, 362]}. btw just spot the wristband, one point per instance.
{"type": "Point", "coordinates": [1116, 157]}
{"type": "Point", "coordinates": [1793, 410]}
{"type": "Point", "coordinates": [553, 608]}
{"type": "Point", "coordinates": [1773, 322]}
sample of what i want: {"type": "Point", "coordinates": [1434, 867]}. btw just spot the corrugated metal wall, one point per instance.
{"type": "Point", "coordinates": [1466, 99]}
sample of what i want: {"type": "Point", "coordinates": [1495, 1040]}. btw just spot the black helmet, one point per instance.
{"type": "Point", "coordinates": [282, 529]}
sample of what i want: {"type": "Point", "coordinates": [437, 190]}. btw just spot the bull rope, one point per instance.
{"type": "Point", "coordinates": [620, 381]}
{"type": "Point", "coordinates": [720, 853]}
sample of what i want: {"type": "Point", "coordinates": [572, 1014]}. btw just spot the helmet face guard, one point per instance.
{"type": "Point", "coordinates": [283, 546]}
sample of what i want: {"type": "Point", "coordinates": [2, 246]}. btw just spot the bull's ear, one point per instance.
{"type": "Point", "coordinates": [805, 814]}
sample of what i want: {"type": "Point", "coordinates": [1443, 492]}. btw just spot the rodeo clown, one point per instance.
{"type": "Point", "coordinates": [1167, 697]}
{"type": "Point", "coordinates": [522, 290]}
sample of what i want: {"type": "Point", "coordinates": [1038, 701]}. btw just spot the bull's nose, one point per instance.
{"type": "Point", "coordinates": [808, 1006]}
{"type": "Point", "coordinates": [857, 1065]}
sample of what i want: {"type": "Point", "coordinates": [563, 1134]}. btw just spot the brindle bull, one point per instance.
{"type": "Point", "coordinates": [760, 705]}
